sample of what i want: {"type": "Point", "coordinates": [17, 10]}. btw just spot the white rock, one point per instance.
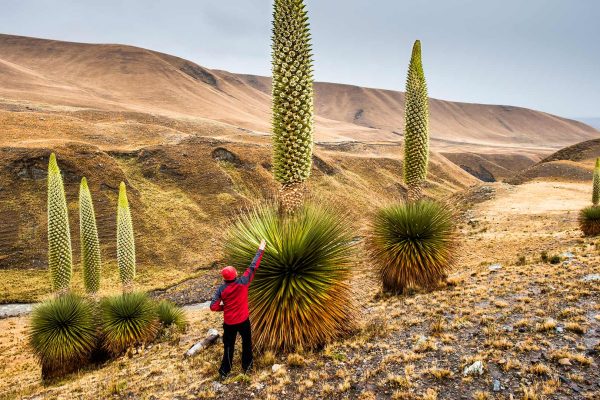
{"type": "Point", "coordinates": [495, 267]}
{"type": "Point", "coordinates": [474, 369]}
{"type": "Point", "coordinates": [591, 277]}
{"type": "Point", "coordinates": [276, 367]}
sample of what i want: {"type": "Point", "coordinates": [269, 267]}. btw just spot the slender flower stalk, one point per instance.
{"type": "Point", "coordinates": [416, 131]}
{"type": "Point", "coordinates": [60, 256]}
{"type": "Point", "coordinates": [292, 101]}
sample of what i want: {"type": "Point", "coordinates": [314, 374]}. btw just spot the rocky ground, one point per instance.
{"type": "Point", "coordinates": [519, 319]}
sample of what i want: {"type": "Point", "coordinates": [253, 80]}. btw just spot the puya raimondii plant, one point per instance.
{"type": "Point", "coordinates": [416, 131]}
{"type": "Point", "coordinates": [413, 244]}
{"type": "Point", "coordinates": [90, 245]}
{"type": "Point", "coordinates": [292, 101]}
{"type": "Point", "coordinates": [125, 240]}
{"type": "Point", "coordinates": [60, 256]}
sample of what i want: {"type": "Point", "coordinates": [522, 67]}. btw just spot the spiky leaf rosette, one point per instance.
{"type": "Point", "coordinates": [416, 130]}
{"type": "Point", "coordinates": [292, 99]}
{"type": "Point", "coordinates": [589, 221]}
{"type": "Point", "coordinates": [170, 314]}
{"type": "Point", "coordinates": [596, 183]}
{"type": "Point", "coordinates": [300, 297]}
{"type": "Point", "coordinates": [90, 245]}
{"type": "Point", "coordinates": [60, 257]}
{"type": "Point", "coordinates": [62, 334]}
{"type": "Point", "coordinates": [125, 240]}
{"type": "Point", "coordinates": [413, 244]}
{"type": "Point", "coordinates": [127, 320]}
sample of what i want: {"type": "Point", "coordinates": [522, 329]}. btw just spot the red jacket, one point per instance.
{"type": "Point", "coordinates": [234, 295]}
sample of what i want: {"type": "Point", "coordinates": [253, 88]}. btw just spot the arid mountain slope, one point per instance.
{"type": "Point", "coordinates": [573, 163]}
{"type": "Point", "coordinates": [117, 77]}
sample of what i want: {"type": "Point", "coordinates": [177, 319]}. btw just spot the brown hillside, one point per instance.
{"type": "Point", "coordinates": [117, 77]}
{"type": "Point", "coordinates": [573, 163]}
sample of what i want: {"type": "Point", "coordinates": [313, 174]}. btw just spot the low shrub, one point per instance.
{"type": "Point", "coordinates": [589, 221]}
{"type": "Point", "coordinates": [127, 320]}
{"type": "Point", "coordinates": [62, 334]}
{"type": "Point", "coordinates": [169, 314]}
{"type": "Point", "coordinates": [413, 244]}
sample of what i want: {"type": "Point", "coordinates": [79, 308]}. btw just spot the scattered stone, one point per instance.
{"type": "Point", "coordinates": [507, 328]}
{"type": "Point", "coordinates": [568, 254]}
{"type": "Point", "coordinates": [276, 367]}
{"type": "Point", "coordinates": [591, 277]}
{"type": "Point", "coordinates": [495, 267]}
{"type": "Point", "coordinates": [217, 387]}
{"type": "Point", "coordinates": [560, 329]}
{"type": "Point", "coordinates": [474, 369]}
{"type": "Point", "coordinates": [496, 385]}
{"type": "Point", "coordinates": [564, 361]}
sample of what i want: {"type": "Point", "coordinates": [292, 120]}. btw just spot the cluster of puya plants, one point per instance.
{"type": "Point", "coordinates": [589, 217]}
{"type": "Point", "coordinates": [69, 330]}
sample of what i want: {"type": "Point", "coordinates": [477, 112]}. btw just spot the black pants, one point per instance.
{"type": "Point", "coordinates": [229, 335]}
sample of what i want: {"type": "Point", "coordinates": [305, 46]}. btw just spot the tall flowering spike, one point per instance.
{"type": "Point", "coordinates": [596, 183]}
{"type": "Point", "coordinates": [125, 240]}
{"type": "Point", "coordinates": [60, 256]}
{"type": "Point", "coordinates": [88, 234]}
{"type": "Point", "coordinates": [292, 101]}
{"type": "Point", "coordinates": [416, 131]}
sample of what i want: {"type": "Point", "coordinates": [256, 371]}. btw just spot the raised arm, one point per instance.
{"type": "Point", "coordinates": [249, 274]}
{"type": "Point", "coordinates": [215, 303]}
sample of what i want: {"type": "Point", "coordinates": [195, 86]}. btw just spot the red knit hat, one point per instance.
{"type": "Point", "coordinates": [229, 273]}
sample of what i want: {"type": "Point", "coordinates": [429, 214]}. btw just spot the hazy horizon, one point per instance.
{"type": "Point", "coordinates": [538, 54]}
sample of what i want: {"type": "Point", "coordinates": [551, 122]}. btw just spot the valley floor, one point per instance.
{"type": "Point", "coordinates": [535, 326]}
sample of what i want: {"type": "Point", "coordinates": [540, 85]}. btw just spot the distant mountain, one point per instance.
{"type": "Point", "coordinates": [117, 77]}
{"type": "Point", "coordinates": [595, 122]}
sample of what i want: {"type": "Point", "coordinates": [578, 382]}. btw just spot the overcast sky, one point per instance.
{"type": "Point", "coordinates": [541, 54]}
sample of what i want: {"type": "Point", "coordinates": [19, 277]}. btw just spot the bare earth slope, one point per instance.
{"type": "Point", "coordinates": [117, 77]}
{"type": "Point", "coordinates": [573, 163]}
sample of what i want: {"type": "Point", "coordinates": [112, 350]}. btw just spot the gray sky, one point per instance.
{"type": "Point", "coordinates": [541, 54]}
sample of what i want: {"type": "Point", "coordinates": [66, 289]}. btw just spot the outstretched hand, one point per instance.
{"type": "Point", "coordinates": [262, 245]}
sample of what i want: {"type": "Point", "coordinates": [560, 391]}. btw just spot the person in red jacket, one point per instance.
{"type": "Point", "coordinates": [232, 298]}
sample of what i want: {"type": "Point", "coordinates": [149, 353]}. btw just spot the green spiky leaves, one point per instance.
{"type": "Point", "coordinates": [127, 320]}
{"type": "Point", "coordinates": [589, 221]}
{"type": "Point", "coordinates": [125, 240]}
{"type": "Point", "coordinates": [596, 183]}
{"type": "Point", "coordinates": [170, 315]}
{"type": "Point", "coordinates": [300, 297]}
{"type": "Point", "coordinates": [63, 334]}
{"type": "Point", "coordinates": [292, 92]}
{"type": "Point", "coordinates": [413, 244]}
{"type": "Point", "coordinates": [60, 258]}
{"type": "Point", "coordinates": [416, 131]}
{"type": "Point", "coordinates": [90, 245]}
